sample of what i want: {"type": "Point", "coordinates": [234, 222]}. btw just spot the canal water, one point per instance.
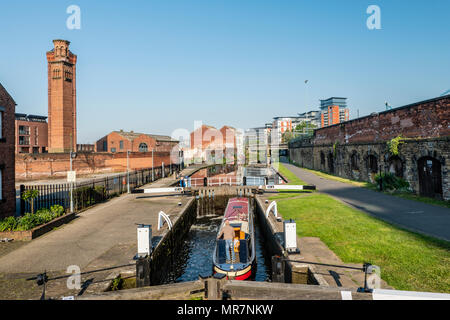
{"type": "Point", "coordinates": [195, 256]}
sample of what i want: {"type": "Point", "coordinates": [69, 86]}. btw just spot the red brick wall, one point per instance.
{"type": "Point", "coordinates": [7, 155]}
{"type": "Point", "coordinates": [42, 166]}
{"type": "Point", "coordinates": [426, 119]}
{"type": "Point", "coordinates": [204, 136]}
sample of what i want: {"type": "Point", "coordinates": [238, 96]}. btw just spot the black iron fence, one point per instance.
{"type": "Point", "coordinates": [88, 193]}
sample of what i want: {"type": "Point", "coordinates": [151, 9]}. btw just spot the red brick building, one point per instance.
{"type": "Point", "coordinates": [204, 136]}
{"type": "Point", "coordinates": [62, 121]}
{"type": "Point", "coordinates": [122, 141]}
{"type": "Point", "coordinates": [207, 143]}
{"type": "Point", "coordinates": [7, 155]}
{"type": "Point", "coordinates": [31, 133]}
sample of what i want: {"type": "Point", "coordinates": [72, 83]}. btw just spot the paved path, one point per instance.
{"type": "Point", "coordinates": [93, 233]}
{"type": "Point", "coordinates": [412, 215]}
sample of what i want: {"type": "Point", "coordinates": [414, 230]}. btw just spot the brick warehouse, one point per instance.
{"type": "Point", "coordinates": [358, 149]}
{"type": "Point", "coordinates": [122, 141]}
{"type": "Point", "coordinates": [7, 154]}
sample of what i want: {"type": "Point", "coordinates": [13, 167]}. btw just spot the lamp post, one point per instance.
{"type": "Point", "coordinates": [128, 172]}
{"type": "Point", "coordinates": [72, 156]}
{"type": "Point", "coordinates": [153, 173]}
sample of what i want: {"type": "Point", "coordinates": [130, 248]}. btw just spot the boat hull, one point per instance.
{"type": "Point", "coordinates": [242, 274]}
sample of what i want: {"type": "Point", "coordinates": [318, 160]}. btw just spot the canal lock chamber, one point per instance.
{"type": "Point", "coordinates": [186, 252]}
{"type": "Point", "coordinates": [190, 253]}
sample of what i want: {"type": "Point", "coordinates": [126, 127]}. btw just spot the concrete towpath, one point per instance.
{"type": "Point", "coordinates": [413, 215]}
{"type": "Point", "coordinates": [94, 232]}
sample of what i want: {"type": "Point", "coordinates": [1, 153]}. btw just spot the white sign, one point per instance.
{"type": "Point", "coordinates": [162, 190]}
{"type": "Point", "coordinates": [144, 238]}
{"type": "Point", "coordinates": [71, 176]}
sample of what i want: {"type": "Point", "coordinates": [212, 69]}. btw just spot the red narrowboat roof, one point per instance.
{"type": "Point", "coordinates": [237, 209]}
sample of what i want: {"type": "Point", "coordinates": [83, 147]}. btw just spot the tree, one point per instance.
{"type": "Point", "coordinates": [29, 197]}
{"type": "Point", "coordinates": [287, 136]}
{"type": "Point", "coordinates": [305, 126]}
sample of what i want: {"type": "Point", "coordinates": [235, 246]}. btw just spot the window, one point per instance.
{"type": "Point", "coordinates": [121, 144]}
{"type": "Point", "coordinates": [36, 138]}
{"type": "Point", "coordinates": [143, 147]}
{"type": "Point", "coordinates": [24, 140]}
{"type": "Point", "coordinates": [105, 145]}
{"type": "Point", "coordinates": [113, 149]}
{"type": "Point", "coordinates": [24, 130]}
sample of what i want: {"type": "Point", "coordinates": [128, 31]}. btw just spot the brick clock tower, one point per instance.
{"type": "Point", "coordinates": [62, 98]}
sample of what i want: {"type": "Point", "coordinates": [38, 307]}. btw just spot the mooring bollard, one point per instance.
{"type": "Point", "coordinates": [143, 272]}
{"type": "Point", "coordinates": [278, 267]}
{"type": "Point", "coordinates": [213, 286]}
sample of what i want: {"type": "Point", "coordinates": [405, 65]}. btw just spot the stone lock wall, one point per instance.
{"type": "Point", "coordinates": [358, 149]}
{"type": "Point", "coordinates": [410, 151]}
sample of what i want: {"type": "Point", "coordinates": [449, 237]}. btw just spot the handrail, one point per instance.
{"type": "Point", "coordinates": [162, 215]}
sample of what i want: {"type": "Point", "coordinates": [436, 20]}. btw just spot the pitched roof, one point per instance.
{"type": "Point", "coordinates": [134, 135]}
{"type": "Point", "coordinates": [2, 88]}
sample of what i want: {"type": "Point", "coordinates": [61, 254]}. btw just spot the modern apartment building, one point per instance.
{"type": "Point", "coordinates": [333, 110]}
{"type": "Point", "coordinates": [312, 117]}
{"type": "Point", "coordinates": [31, 133]}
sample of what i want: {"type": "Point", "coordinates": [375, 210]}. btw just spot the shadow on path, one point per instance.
{"type": "Point", "coordinates": [412, 215]}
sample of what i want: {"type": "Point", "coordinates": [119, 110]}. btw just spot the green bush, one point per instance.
{"type": "Point", "coordinates": [391, 182]}
{"type": "Point", "coordinates": [27, 222]}
{"type": "Point", "coordinates": [86, 196]}
{"type": "Point", "coordinates": [30, 221]}
{"type": "Point", "coordinates": [117, 283]}
{"type": "Point", "coordinates": [57, 210]}
{"type": "Point", "coordinates": [100, 192]}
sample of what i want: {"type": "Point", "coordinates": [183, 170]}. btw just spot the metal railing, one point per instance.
{"type": "Point", "coordinates": [213, 181]}
{"type": "Point", "coordinates": [231, 181]}
{"type": "Point", "coordinates": [88, 193]}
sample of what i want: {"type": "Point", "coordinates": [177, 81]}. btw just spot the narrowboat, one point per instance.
{"type": "Point", "coordinates": [240, 217]}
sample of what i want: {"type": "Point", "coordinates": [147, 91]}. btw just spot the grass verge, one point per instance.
{"type": "Point", "coordinates": [292, 180]}
{"type": "Point", "coordinates": [408, 261]}
{"type": "Point", "coordinates": [374, 187]}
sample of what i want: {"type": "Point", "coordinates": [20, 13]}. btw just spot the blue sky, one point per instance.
{"type": "Point", "coordinates": [154, 66]}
